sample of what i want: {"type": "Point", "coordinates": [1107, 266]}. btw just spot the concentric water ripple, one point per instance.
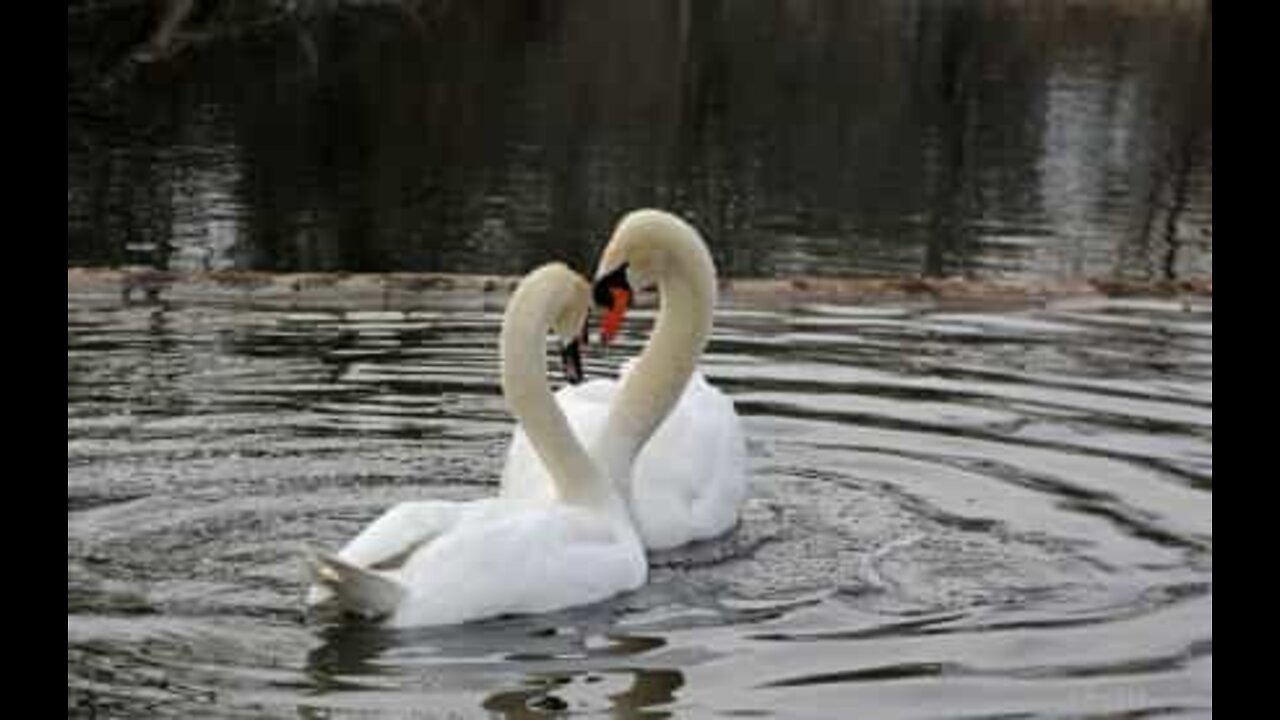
{"type": "Point", "coordinates": [953, 513]}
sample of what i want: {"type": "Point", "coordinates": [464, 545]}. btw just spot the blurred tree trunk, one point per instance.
{"type": "Point", "coordinates": [172, 17]}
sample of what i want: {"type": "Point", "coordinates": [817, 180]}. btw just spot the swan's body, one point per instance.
{"type": "Point", "coordinates": [688, 482]}
{"type": "Point", "coordinates": [437, 562]}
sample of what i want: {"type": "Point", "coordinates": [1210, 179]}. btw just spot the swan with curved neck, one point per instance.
{"type": "Point", "coordinates": [671, 441]}
{"type": "Point", "coordinates": [550, 297]}
{"type": "Point", "coordinates": [437, 562]}
{"type": "Point", "coordinates": [647, 247]}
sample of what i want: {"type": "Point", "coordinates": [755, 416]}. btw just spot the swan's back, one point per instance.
{"type": "Point", "coordinates": [586, 406]}
{"type": "Point", "coordinates": [514, 557]}
{"type": "Point", "coordinates": [689, 480]}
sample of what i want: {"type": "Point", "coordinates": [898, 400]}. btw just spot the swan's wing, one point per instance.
{"type": "Point", "coordinates": [724, 488]}
{"type": "Point", "coordinates": [519, 558]}
{"type": "Point", "coordinates": [689, 480]}
{"type": "Point", "coordinates": [387, 541]}
{"type": "Point", "coordinates": [586, 407]}
{"type": "Point", "coordinates": [357, 590]}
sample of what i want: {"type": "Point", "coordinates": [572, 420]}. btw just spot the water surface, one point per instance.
{"type": "Point", "coordinates": [953, 513]}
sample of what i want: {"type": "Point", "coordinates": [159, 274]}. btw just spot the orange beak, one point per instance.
{"type": "Point", "coordinates": [612, 321]}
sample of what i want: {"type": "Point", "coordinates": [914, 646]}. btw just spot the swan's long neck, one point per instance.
{"type": "Point", "coordinates": [653, 387]}
{"type": "Point", "coordinates": [528, 394]}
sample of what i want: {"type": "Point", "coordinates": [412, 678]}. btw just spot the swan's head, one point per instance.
{"type": "Point", "coordinates": [561, 298]}
{"type": "Point", "coordinates": [645, 246]}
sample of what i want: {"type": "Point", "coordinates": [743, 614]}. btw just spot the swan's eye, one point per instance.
{"type": "Point", "coordinates": [602, 291]}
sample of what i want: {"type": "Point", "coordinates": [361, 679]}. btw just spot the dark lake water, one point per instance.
{"type": "Point", "coordinates": [985, 138]}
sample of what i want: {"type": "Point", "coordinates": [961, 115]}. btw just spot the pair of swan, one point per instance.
{"type": "Point", "coordinates": [595, 474]}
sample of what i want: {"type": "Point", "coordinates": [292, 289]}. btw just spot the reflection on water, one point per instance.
{"type": "Point", "coordinates": [953, 512]}
{"type": "Point", "coordinates": [554, 663]}
{"type": "Point", "coordinates": [643, 690]}
{"type": "Point", "coordinates": [804, 137]}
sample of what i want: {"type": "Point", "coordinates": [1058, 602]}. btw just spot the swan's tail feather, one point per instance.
{"type": "Point", "coordinates": [363, 592]}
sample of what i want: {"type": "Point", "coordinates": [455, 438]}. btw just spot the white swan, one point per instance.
{"type": "Point", "coordinates": [438, 562]}
{"type": "Point", "coordinates": [688, 482]}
